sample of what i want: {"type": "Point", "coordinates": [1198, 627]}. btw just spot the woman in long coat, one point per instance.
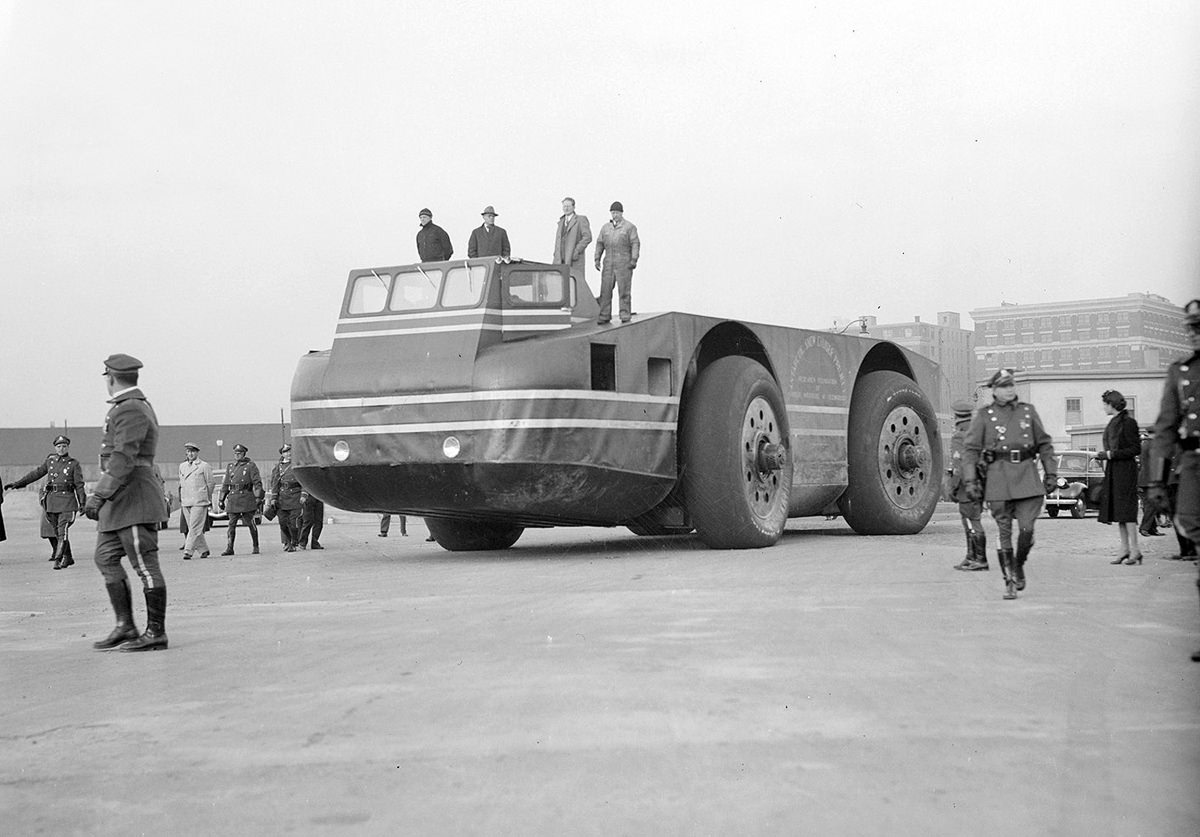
{"type": "Point", "coordinates": [1118, 494]}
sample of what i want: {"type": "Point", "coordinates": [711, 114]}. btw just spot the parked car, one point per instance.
{"type": "Point", "coordinates": [1080, 476]}
{"type": "Point", "coordinates": [217, 516]}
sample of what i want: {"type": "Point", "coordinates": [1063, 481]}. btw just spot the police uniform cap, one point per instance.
{"type": "Point", "coordinates": [191, 446]}
{"type": "Point", "coordinates": [963, 408]}
{"type": "Point", "coordinates": [424, 212]}
{"type": "Point", "coordinates": [489, 210]}
{"type": "Point", "coordinates": [285, 448]}
{"type": "Point", "coordinates": [1191, 313]}
{"type": "Point", "coordinates": [121, 363]}
{"type": "Point", "coordinates": [1002, 378]}
{"type": "Point", "coordinates": [241, 447]}
{"type": "Point", "coordinates": [616, 207]}
{"type": "Point", "coordinates": [61, 440]}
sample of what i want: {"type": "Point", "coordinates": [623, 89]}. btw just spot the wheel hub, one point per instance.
{"type": "Point", "coordinates": [763, 455]}
{"type": "Point", "coordinates": [904, 457]}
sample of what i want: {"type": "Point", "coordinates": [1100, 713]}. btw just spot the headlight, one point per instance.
{"type": "Point", "coordinates": [341, 451]}
{"type": "Point", "coordinates": [451, 446]}
{"type": "Point", "coordinates": [1061, 482]}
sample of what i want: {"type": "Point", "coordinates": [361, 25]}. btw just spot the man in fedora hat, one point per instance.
{"type": "Point", "coordinates": [619, 239]}
{"type": "Point", "coordinates": [195, 495]}
{"type": "Point", "coordinates": [488, 239]}
{"type": "Point", "coordinates": [128, 503]}
{"type": "Point", "coordinates": [1177, 433]}
{"type": "Point", "coordinates": [241, 494]}
{"type": "Point", "coordinates": [283, 498]}
{"type": "Point", "coordinates": [1008, 437]}
{"type": "Point", "coordinates": [61, 496]}
{"type": "Point", "coordinates": [433, 244]}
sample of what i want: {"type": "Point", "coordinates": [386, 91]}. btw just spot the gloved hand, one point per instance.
{"type": "Point", "coordinates": [8, 486]}
{"type": "Point", "coordinates": [91, 509]}
{"type": "Point", "coordinates": [1050, 483]}
{"type": "Point", "coordinates": [1157, 499]}
{"type": "Point", "coordinates": [974, 491]}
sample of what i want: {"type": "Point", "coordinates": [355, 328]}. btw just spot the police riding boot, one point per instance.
{"type": "Point", "coordinates": [122, 603]}
{"type": "Point", "coordinates": [1196, 655]}
{"type": "Point", "coordinates": [981, 560]}
{"type": "Point", "coordinates": [155, 635]}
{"type": "Point", "coordinates": [1005, 556]}
{"type": "Point", "coordinates": [1024, 544]}
{"type": "Point", "coordinates": [966, 562]}
{"type": "Point", "coordinates": [64, 555]}
{"type": "Point", "coordinates": [53, 550]}
{"type": "Point", "coordinates": [254, 542]}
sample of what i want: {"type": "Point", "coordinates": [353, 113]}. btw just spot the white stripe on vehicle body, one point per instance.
{"type": "Point", "coordinates": [496, 424]}
{"type": "Point", "coordinates": [484, 395]}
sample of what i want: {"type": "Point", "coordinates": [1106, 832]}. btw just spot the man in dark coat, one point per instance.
{"type": "Point", "coordinates": [1177, 430]}
{"type": "Point", "coordinates": [241, 494]}
{"type": "Point", "coordinates": [129, 505]}
{"type": "Point", "coordinates": [312, 520]}
{"type": "Point", "coordinates": [1008, 437]}
{"type": "Point", "coordinates": [954, 489]}
{"type": "Point", "coordinates": [488, 239]}
{"type": "Point", "coordinates": [61, 497]}
{"type": "Point", "coordinates": [283, 498]}
{"type": "Point", "coordinates": [1149, 525]}
{"type": "Point", "coordinates": [1118, 493]}
{"type": "Point", "coordinates": [433, 245]}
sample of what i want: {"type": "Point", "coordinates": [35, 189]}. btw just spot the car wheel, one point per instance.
{"type": "Point", "coordinates": [472, 535]}
{"type": "Point", "coordinates": [1052, 511]}
{"type": "Point", "coordinates": [1079, 510]}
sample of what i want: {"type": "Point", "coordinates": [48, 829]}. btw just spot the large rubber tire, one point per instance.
{"type": "Point", "coordinates": [894, 457]}
{"type": "Point", "coordinates": [1052, 511]}
{"type": "Point", "coordinates": [472, 535]}
{"type": "Point", "coordinates": [734, 423]}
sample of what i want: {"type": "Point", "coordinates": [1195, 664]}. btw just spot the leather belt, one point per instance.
{"type": "Point", "coordinates": [1015, 455]}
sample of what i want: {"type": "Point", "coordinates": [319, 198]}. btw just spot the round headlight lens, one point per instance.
{"type": "Point", "coordinates": [341, 451]}
{"type": "Point", "coordinates": [1061, 482]}
{"type": "Point", "coordinates": [451, 447]}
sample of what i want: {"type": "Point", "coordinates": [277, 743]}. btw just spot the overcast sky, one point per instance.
{"type": "Point", "coordinates": [191, 182]}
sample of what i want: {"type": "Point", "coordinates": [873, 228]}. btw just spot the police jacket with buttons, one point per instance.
{"type": "Point", "coordinates": [1010, 437]}
{"type": "Point", "coordinates": [64, 490]}
{"type": "Point", "coordinates": [284, 489]}
{"type": "Point", "coordinates": [1177, 423]}
{"type": "Point", "coordinates": [242, 488]}
{"type": "Point", "coordinates": [130, 484]}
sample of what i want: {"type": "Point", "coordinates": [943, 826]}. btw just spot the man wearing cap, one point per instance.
{"type": "Point", "coordinates": [488, 239]}
{"type": "Point", "coordinates": [312, 520]}
{"type": "Point", "coordinates": [954, 489]}
{"type": "Point", "coordinates": [283, 498]}
{"type": "Point", "coordinates": [571, 242]}
{"type": "Point", "coordinates": [62, 496]}
{"type": "Point", "coordinates": [433, 245]}
{"type": "Point", "coordinates": [195, 495]}
{"type": "Point", "coordinates": [1177, 432]}
{"type": "Point", "coordinates": [1008, 436]}
{"type": "Point", "coordinates": [241, 494]}
{"type": "Point", "coordinates": [129, 504]}
{"type": "Point", "coordinates": [619, 239]}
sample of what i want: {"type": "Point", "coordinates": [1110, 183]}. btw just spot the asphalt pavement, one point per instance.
{"type": "Point", "coordinates": [588, 681]}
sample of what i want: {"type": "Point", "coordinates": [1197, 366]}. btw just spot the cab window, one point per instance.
{"type": "Point", "coordinates": [369, 293]}
{"type": "Point", "coordinates": [535, 288]}
{"type": "Point", "coordinates": [415, 290]}
{"type": "Point", "coordinates": [464, 287]}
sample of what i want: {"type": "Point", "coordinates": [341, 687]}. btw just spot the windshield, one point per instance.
{"type": "Point", "coordinates": [418, 289]}
{"type": "Point", "coordinates": [1073, 462]}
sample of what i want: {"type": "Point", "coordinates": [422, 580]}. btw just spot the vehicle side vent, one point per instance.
{"type": "Point", "coordinates": [658, 376]}
{"type": "Point", "coordinates": [604, 367]}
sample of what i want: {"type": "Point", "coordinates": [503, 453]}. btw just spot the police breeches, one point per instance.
{"type": "Point", "coordinates": [137, 543]}
{"type": "Point", "coordinates": [60, 521]}
{"type": "Point", "coordinates": [248, 519]}
{"type": "Point", "coordinates": [1187, 497]}
{"type": "Point", "coordinates": [971, 512]}
{"type": "Point", "coordinates": [1025, 511]}
{"type": "Point", "coordinates": [289, 526]}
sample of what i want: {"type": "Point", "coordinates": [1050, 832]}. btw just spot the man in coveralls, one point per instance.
{"type": "Point", "coordinates": [241, 494]}
{"type": "Point", "coordinates": [283, 495]}
{"type": "Point", "coordinates": [1179, 424]}
{"type": "Point", "coordinates": [954, 490]}
{"type": "Point", "coordinates": [129, 504]}
{"type": "Point", "coordinates": [619, 238]}
{"type": "Point", "coordinates": [1008, 437]}
{"type": "Point", "coordinates": [62, 496]}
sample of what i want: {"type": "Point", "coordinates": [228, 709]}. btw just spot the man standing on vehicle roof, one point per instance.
{"type": "Point", "coordinates": [283, 495]}
{"type": "Point", "coordinates": [195, 495]}
{"type": "Point", "coordinates": [433, 245]}
{"type": "Point", "coordinates": [61, 497]}
{"type": "Point", "coordinates": [571, 242]}
{"type": "Point", "coordinates": [955, 490]}
{"type": "Point", "coordinates": [619, 239]}
{"type": "Point", "coordinates": [241, 494]}
{"type": "Point", "coordinates": [488, 239]}
{"type": "Point", "coordinates": [129, 504]}
{"type": "Point", "coordinates": [1008, 436]}
{"type": "Point", "coordinates": [1177, 431]}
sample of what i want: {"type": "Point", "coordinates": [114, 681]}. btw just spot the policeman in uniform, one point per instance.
{"type": "Point", "coordinates": [61, 497]}
{"type": "Point", "coordinates": [241, 495]}
{"type": "Point", "coordinates": [1177, 431]}
{"type": "Point", "coordinates": [955, 490]}
{"type": "Point", "coordinates": [312, 520]}
{"type": "Point", "coordinates": [1008, 436]}
{"type": "Point", "coordinates": [129, 504]}
{"type": "Point", "coordinates": [283, 496]}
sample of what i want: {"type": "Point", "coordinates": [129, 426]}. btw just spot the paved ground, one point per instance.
{"type": "Point", "coordinates": [591, 682]}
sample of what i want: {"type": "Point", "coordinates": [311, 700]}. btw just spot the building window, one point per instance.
{"type": "Point", "coordinates": [1074, 414]}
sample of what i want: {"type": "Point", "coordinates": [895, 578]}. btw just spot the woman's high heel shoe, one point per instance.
{"type": "Point", "coordinates": [1120, 559]}
{"type": "Point", "coordinates": [1136, 559]}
